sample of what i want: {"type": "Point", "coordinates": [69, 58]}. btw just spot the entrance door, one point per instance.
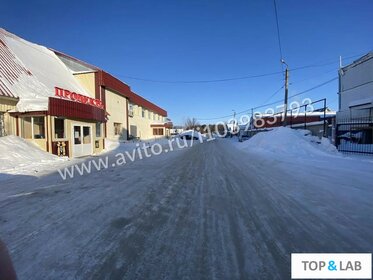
{"type": "Point", "coordinates": [82, 140]}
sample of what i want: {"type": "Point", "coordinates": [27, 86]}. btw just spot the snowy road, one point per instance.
{"type": "Point", "coordinates": [207, 212]}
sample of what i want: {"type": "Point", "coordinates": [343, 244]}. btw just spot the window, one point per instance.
{"type": "Point", "coordinates": [38, 127]}
{"type": "Point", "coordinates": [98, 130]}
{"type": "Point", "coordinates": [86, 135]}
{"type": "Point", "coordinates": [59, 128]}
{"type": "Point", "coordinates": [33, 128]}
{"type": "Point", "coordinates": [77, 135]}
{"type": "Point", "coordinates": [117, 128]}
{"type": "Point", "coordinates": [154, 116]}
{"type": "Point", "coordinates": [130, 110]}
{"type": "Point", "coordinates": [149, 115]}
{"type": "Point", "coordinates": [143, 113]}
{"type": "Point", "coordinates": [157, 131]}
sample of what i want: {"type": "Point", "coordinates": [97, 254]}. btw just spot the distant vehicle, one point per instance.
{"type": "Point", "coordinates": [189, 137]}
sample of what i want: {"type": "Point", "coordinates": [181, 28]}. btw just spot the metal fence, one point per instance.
{"type": "Point", "coordinates": [355, 135]}
{"type": "Point", "coordinates": [312, 116]}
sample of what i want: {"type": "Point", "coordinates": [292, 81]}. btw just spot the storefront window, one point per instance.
{"type": "Point", "coordinates": [38, 127]}
{"type": "Point", "coordinates": [59, 128]}
{"type": "Point", "coordinates": [98, 130]}
{"type": "Point", "coordinates": [33, 128]}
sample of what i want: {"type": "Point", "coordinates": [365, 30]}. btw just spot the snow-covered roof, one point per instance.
{"type": "Point", "coordinates": [30, 72]}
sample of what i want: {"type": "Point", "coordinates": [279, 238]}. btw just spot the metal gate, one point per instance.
{"type": "Point", "coordinates": [355, 135]}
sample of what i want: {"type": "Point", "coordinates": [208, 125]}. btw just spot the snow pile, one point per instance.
{"type": "Point", "coordinates": [289, 141]}
{"type": "Point", "coordinates": [17, 156]}
{"type": "Point", "coordinates": [110, 145]}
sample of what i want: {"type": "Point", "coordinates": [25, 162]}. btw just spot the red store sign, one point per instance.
{"type": "Point", "coordinates": [64, 93]}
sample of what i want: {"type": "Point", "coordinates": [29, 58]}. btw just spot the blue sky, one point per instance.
{"type": "Point", "coordinates": [203, 40]}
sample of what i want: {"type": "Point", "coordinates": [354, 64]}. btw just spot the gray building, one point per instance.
{"type": "Point", "coordinates": [355, 116]}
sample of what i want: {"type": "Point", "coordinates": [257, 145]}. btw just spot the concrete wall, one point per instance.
{"type": "Point", "coordinates": [356, 84]}
{"type": "Point", "coordinates": [116, 106]}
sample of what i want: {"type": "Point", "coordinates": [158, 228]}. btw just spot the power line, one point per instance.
{"type": "Point", "coordinates": [272, 103]}
{"type": "Point", "coordinates": [278, 34]}
{"type": "Point", "coordinates": [201, 81]}
{"type": "Point", "coordinates": [277, 91]}
{"type": "Point", "coordinates": [300, 93]}
{"type": "Point", "coordinates": [320, 64]}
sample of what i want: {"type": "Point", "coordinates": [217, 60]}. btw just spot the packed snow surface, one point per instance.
{"type": "Point", "coordinates": [210, 211]}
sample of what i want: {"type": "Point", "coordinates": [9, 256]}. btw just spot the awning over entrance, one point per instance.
{"type": "Point", "coordinates": [70, 109]}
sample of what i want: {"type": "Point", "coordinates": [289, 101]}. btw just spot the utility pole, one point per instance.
{"type": "Point", "coordinates": [234, 121]}
{"type": "Point", "coordinates": [286, 92]}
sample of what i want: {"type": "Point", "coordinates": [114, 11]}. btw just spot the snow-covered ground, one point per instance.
{"type": "Point", "coordinates": [17, 156]}
{"type": "Point", "coordinates": [20, 157]}
{"type": "Point", "coordinates": [217, 210]}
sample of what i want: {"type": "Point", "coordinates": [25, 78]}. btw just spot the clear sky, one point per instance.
{"type": "Point", "coordinates": [197, 40]}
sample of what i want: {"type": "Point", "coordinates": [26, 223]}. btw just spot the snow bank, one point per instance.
{"type": "Point", "coordinates": [110, 145]}
{"type": "Point", "coordinates": [17, 156]}
{"type": "Point", "coordinates": [289, 141]}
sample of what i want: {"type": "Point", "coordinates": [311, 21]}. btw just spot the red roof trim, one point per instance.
{"type": "Point", "coordinates": [138, 100]}
{"type": "Point", "coordinates": [109, 81]}
{"type": "Point", "coordinates": [75, 110]}
{"type": "Point", "coordinates": [166, 125]}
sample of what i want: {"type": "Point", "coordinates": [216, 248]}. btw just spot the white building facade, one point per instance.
{"type": "Point", "coordinates": [354, 122]}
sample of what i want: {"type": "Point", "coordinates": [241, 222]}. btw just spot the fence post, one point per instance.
{"type": "Point", "coordinates": [305, 116]}
{"type": "Point", "coordinates": [335, 132]}
{"type": "Point", "coordinates": [324, 117]}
